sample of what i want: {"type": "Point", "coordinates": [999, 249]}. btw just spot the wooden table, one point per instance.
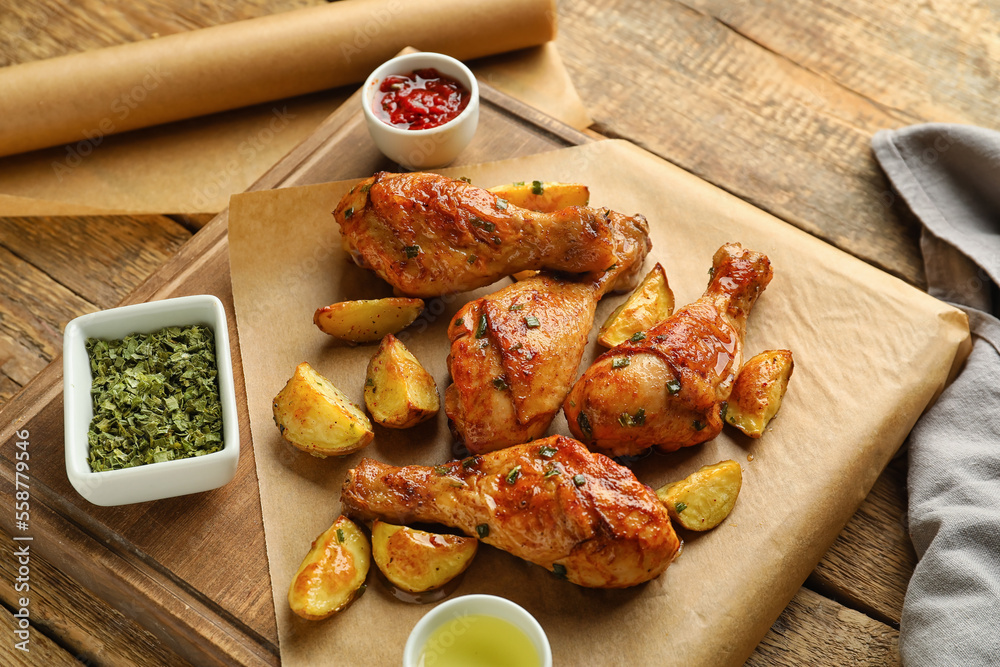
{"type": "Point", "coordinates": [774, 103]}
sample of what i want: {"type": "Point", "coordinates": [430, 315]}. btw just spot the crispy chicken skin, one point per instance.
{"type": "Point", "coordinates": [514, 354]}
{"type": "Point", "coordinates": [551, 502]}
{"type": "Point", "coordinates": [429, 235]}
{"type": "Point", "coordinates": [667, 389]}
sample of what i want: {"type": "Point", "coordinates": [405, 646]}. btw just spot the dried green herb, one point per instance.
{"type": "Point", "coordinates": [547, 451]}
{"type": "Point", "coordinates": [411, 251]}
{"type": "Point", "coordinates": [637, 336]}
{"type": "Point", "coordinates": [680, 507]}
{"type": "Point", "coordinates": [559, 570]}
{"type": "Point", "coordinates": [537, 188]}
{"type": "Point", "coordinates": [502, 204]}
{"type": "Point", "coordinates": [514, 473]}
{"type": "Point", "coordinates": [483, 530]}
{"type": "Point", "coordinates": [156, 398]}
{"type": "Point", "coordinates": [500, 383]}
{"type": "Point", "coordinates": [620, 362]}
{"type": "Point", "coordinates": [579, 480]}
{"type": "Point", "coordinates": [532, 322]}
{"type": "Point", "coordinates": [673, 387]}
{"type": "Point", "coordinates": [481, 327]}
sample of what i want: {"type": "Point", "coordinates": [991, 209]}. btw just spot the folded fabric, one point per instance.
{"type": "Point", "coordinates": [949, 175]}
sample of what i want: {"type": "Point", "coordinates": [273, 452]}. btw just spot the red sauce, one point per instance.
{"type": "Point", "coordinates": [420, 100]}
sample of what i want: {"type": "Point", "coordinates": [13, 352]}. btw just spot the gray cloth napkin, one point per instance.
{"type": "Point", "coordinates": [949, 175]}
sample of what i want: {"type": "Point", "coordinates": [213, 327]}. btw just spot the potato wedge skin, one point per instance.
{"type": "Point", "coordinates": [758, 391]}
{"type": "Point", "coordinates": [318, 418]}
{"type": "Point", "coordinates": [332, 573]}
{"type": "Point", "coordinates": [368, 320]}
{"type": "Point", "coordinates": [543, 197]}
{"type": "Point", "coordinates": [651, 302]}
{"type": "Point", "coordinates": [399, 392]}
{"type": "Point", "coordinates": [417, 561]}
{"type": "Point", "coordinates": [703, 499]}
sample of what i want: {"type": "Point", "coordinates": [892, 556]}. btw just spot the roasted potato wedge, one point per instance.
{"type": "Point", "coordinates": [758, 391]}
{"type": "Point", "coordinates": [367, 321]}
{"type": "Point", "coordinates": [543, 197]}
{"type": "Point", "coordinates": [651, 302]}
{"type": "Point", "coordinates": [399, 392]}
{"type": "Point", "coordinates": [703, 499]}
{"type": "Point", "coordinates": [333, 572]}
{"type": "Point", "coordinates": [317, 417]}
{"type": "Point", "coordinates": [417, 561]}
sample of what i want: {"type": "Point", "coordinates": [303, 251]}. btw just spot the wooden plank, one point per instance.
{"type": "Point", "coordinates": [42, 651]}
{"type": "Point", "coordinates": [101, 259]}
{"type": "Point", "coordinates": [816, 631]}
{"type": "Point", "coordinates": [84, 626]}
{"type": "Point", "coordinates": [684, 85]}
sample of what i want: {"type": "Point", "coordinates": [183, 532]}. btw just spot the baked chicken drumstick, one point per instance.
{"type": "Point", "coordinates": [429, 235]}
{"type": "Point", "coordinates": [667, 389]}
{"type": "Point", "coordinates": [551, 502]}
{"type": "Point", "coordinates": [515, 353]}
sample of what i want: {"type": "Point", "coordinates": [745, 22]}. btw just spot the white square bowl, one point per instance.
{"type": "Point", "coordinates": [152, 481]}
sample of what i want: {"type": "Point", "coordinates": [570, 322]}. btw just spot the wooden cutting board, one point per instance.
{"type": "Point", "coordinates": [193, 570]}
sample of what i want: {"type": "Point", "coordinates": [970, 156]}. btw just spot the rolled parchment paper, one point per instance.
{"type": "Point", "coordinates": [85, 96]}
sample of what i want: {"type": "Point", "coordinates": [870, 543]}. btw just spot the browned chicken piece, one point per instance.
{"type": "Point", "coordinates": [428, 235]}
{"type": "Point", "coordinates": [515, 353]}
{"type": "Point", "coordinates": [666, 390]}
{"type": "Point", "coordinates": [551, 502]}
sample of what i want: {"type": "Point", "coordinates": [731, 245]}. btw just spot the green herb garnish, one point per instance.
{"type": "Point", "coordinates": [559, 570]}
{"type": "Point", "coordinates": [637, 336]}
{"type": "Point", "coordinates": [411, 251]}
{"type": "Point", "coordinates": [680, 507]}
{"type": "Point", "coordinates": [471, 461]}
{"type": "Point", "coordinates": [532, 322]}
{"type": "Point", "coordinates": [483, 530]}
{"type": "Point", "coordinates": [547, 452]}
{"type": "Point", "coordinates": [471, 259]}
{"type": "Point", "coordinates": [537, 188]}
{"type": "Point", "coordinates": [515, 306]}
{"type": "Point", "coordinates": [724, 410]}
{"type": "Point", "coordinates": [365, 188]}
{"type": "Point", "coordinates": [584, 424]}
{"type": "Point", "coordinates": [579, 480]}
{"type": "Point", "coordinates": [638, 419]}
{"type": "Point", "coordinates": [459, 321]}
{"type": "Point", "coordinates": [514, 473]}
{"type": "Point", "coordinates": [369, 382]}
{"type": "Point", "coordinates": [620, 362]}
{"type": "Point", "coordinates": [156, 398]}
{"type": "Point", "coordinates": [483, 224]}
{"type": "Point", "coordinates": [348, 212]}
{"type": "Point", "coordinates": [481, 327]}
{"type": "Point", "coordinates": [340, 535]}
{"type": "Point", "coordinates": [441, 470]}
{"type": "Point", "coordinates": [674, 386]}
{"type": "Point", "coordinates": [502, 204]}
{"type": "Point", "coordinates": [465, 178]}
{"type": "Point", "coordinates": [697, 425]}
{"type": "Point", "coordinates": [519, 183]}
{"type": "Point", "coordinates": [550, 472]}
{"type": "Point", "coordinates": [499, 383]}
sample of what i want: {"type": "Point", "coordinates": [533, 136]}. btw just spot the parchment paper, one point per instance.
{"type": "Point", "coordinates": [90, 100]}
{"type": "Point", "coordinates": [870, 354]}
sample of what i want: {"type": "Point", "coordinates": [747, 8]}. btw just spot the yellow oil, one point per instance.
{"type": "Point", "coordinates": [478, 640]}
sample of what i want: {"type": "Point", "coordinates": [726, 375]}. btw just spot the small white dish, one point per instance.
{"type": "Point", "coordinates": [152, 481]}
{"type": "Point", "coordinates": [452, 616]}
{"type": "Point", "coordinates": [433, 147]}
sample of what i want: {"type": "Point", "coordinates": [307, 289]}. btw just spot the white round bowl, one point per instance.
{"type": "Point", "coordinates": [433, 147]}
{"type": "Point", "coordinates": [454, 610]}
{"type": "Point", "coordinates": [152, 481]}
